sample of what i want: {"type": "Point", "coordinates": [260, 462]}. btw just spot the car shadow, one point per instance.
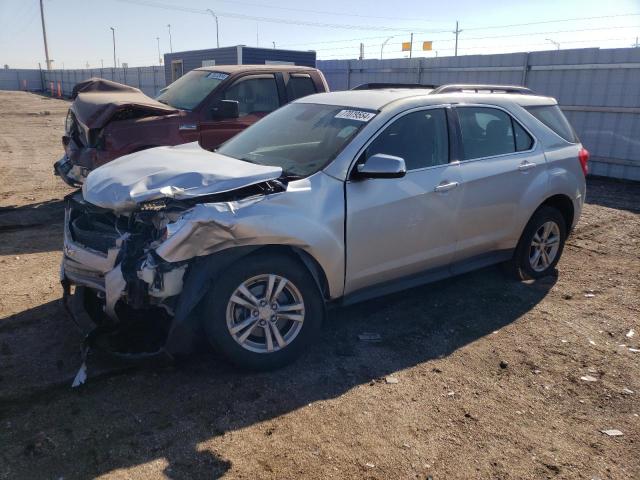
{"type": "Point", "coordinates": [613, 193]}
{"type": "Point", "coordinates": [165, 412]}
{"type": "Point", "coordinates": [32, 228]}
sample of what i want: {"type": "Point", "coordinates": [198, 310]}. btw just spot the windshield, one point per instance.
{"type": "Point", "coordinates": [191, 89]}
{"type": "Point", "coordinates": [301, 138]}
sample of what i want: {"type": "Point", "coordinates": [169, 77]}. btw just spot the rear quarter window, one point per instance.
{"type": "Point", "coordinates": [300, 86]}
{"type": "Point", "coordinates": [552, 117]}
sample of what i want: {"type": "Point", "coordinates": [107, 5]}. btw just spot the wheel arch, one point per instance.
{"type": "Point", "coordinates": [564, 205]}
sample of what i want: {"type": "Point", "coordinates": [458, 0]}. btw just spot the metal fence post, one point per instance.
{"type": "Point", "coordinates": [348, 74]}
{"type": "Point", "coordinates": [155, 82]}
{"type": "Point", "coordinates": [525, 69]}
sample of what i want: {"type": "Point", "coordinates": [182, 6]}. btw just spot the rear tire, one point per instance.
{"type": "Point", "coordinates": [258, 322]}
{"type": "Point", "coordinates": [540, 246]}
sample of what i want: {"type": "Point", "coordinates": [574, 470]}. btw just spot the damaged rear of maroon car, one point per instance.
{"type": "Point", "coordinates": [209, 105]}
{"type": "Point", "coordinates": [98, 123]}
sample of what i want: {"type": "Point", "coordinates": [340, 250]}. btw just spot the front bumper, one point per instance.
{"type": "Point", "coordinates": [125, 318]}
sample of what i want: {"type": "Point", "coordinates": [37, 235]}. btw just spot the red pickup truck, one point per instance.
{"type": "Point", "coordinates": [208, 105]}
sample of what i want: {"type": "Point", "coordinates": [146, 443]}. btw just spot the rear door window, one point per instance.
{"type": "Point", "coordinates": [256, 94]}
{"type": "Point", "coordinates": [552, 117]}
{"type": "Point", "coordinates": [299, 86]}
{"type": "Point", "coordinates": [486, 132]}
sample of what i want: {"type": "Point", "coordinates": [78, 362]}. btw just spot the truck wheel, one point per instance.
{"type": "Point", "coordinates": [540, 245]}
{"type": "Point", "coordinates": [263, 312]}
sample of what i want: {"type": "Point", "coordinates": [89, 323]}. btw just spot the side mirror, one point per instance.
{"type": "Point", "coordinates": [381, 165]}
{"type": "Point", "coordinates": [226, 109]}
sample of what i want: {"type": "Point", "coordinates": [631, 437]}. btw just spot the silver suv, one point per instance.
{"type": "Point", "coordinates": [335, 198]}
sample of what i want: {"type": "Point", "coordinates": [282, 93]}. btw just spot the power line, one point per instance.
{"type": "Point", "coordinates": [321, 12]}
{"type": "Point", "coordinates": [154, 4]}
{"type": "Point", "coordinates": [487, 28]}
{"type": "Point", "coordinates": [500, 36]}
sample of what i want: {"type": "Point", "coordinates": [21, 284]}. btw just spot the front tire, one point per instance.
{"type": "Point", "coordinates": [263, 312]}
{"type": "Point", "coordinates": [540, 245]}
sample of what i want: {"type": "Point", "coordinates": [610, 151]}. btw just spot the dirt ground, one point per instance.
{"type": "Point", "coordinates": [489, 370]}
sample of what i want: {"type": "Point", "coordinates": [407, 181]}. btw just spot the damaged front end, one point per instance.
{"type": "Point", "coordinates": [113, 280]}
{"type": "Point", "coordinates": [119, 290]}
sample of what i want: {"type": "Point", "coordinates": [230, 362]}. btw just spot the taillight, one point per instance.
{"type": "Point", "coordinates": [583, 156]}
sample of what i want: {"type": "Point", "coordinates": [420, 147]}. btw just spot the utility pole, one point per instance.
{"type": "Point", "coordinates": [113, 34]}
{"type": "Point", "coordinates": [217, 27]}
{"type": "Point", "coordinates": [159, 56]}
{"type": "Point", "coordinates": [411, 46]}
{"type": "Point", "coordinates": [636, 45]}
{"type": "Point", "coordinates": [457, 32]}
{"type": "Point", "coordinates": [257, 35]}
{"type": "Point", "coordinates": [274, 45]}
{"type": "Point", "coordinates": [44, 34]}
{"type": "Point", "coordinates": [170, 42]}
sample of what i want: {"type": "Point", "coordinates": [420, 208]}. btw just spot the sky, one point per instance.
{"type": "Point", "coordinates": [79, 31]}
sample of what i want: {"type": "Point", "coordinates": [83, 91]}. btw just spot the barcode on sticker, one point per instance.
{"type": "Point", "coordinates": [358, 115]}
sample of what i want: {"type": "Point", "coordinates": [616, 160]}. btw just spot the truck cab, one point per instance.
{"type": "Point", "coordinates": [208, 105]}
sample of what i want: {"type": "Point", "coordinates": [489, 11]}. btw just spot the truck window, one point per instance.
{"type": "Point", "coordinates": [300, 86]}
{"type": "Point", "coordinates": [257, 94]}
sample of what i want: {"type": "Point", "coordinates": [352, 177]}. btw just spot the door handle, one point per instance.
{"type": "Point", "coordinates": [188, 127]}
{"type": "Point", "coordinates": [445, 187]}
{"type": "Point", "coordinates": [526, 165]}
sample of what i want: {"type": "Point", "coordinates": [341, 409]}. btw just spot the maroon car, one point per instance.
{"type": "Point", "coordinates": [209, 104]}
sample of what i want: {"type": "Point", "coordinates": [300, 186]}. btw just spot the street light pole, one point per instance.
{"type": "Point", "coordinates": [217, 27]}
{"type": "Point", "coordinates": [159, 56]}
{"type": "Point", "coordinates": [557, 44]}
{"type": "Point", "coordinates": [113, 33]}
{"type": "Point", "coordinates": [382, 46]}
{"type": "Point", "coordinates": [170, 42]}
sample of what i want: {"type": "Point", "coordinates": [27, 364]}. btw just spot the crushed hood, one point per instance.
{"type": "Point", "coordinates": [97, 100]}
{"type": "Point", "coordinates": [180, 172]}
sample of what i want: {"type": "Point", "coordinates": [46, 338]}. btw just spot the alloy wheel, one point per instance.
{"type": "Point", "coordinates": [265, 313]}
{"type": "Point", "coordinates": [544, 246]}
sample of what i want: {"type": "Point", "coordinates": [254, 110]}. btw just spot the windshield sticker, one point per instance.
{"type": "Point", "coordinates": [217, 75]}
{"type": "Point", "coordinates": [358, 115]}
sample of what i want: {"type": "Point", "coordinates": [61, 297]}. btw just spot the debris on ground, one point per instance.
{"type": "Point", "coordinates": [627, 391]}
{"type": "Point", "coordinates": [588, 378]}
{"type": "Point", "coordinates": [612, 433]}
{"type": "Point", "coordinates": [589, 295]}
{"type": "Point", "coordinates": [370, 337]}
{"type": "Point", "coordinates": [391, 379]}
{"type": "Point", "coordinates": [504, 364]}
{"type": "Point", "coordinates": [630, 333]}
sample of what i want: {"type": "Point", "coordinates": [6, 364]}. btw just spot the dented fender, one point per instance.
{"type": "Point", "coordinates": [309, 216]}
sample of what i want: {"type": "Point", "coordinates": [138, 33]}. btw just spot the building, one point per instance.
{"type": "Point", "coordinates": [177, 64]}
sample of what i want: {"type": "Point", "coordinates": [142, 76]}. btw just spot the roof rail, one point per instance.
{"type": "Point", "coordinates": [480, 88]}
{"type": "Point", "coordinates": [381, 85]}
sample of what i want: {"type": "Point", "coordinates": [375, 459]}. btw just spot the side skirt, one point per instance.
{"type": "Point", "coordinates": [428, 276]}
